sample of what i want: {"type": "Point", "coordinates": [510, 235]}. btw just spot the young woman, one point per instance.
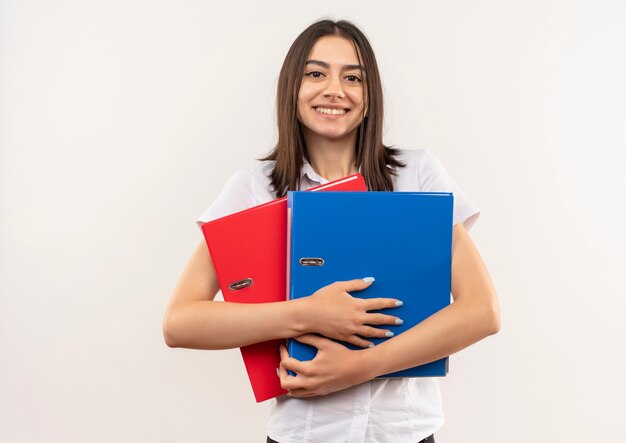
{"type": "Point", "coordinates": [330, 115]}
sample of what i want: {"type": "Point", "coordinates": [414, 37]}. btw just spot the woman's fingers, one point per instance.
{"type": "Point", "coordinates": [284, 355]}
{"type": "Point", "coordinates": [368, 331]}
{"type": "Point", "coordinates": [300, 393]}
{"type": "Point", "coordinates": [358, 341]}
{"type": "Point", "coordinates": [288, 363]}
{"type": "Point", "coordinates": [339, 315]}
{"type": "Point", "coordinates": [358, 284]}
{"type": "Point", "coordinates": [372, 304]}
{"type": "Point", "coordinates": [313, 340]}
{"type": "Point", "coordinates": [382, 319]}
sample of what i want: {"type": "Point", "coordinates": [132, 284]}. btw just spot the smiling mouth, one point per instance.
{"type": "Point", "coordinates": [330, 111]}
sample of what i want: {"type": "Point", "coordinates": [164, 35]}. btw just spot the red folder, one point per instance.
{"type": "Point", "coordinates": [249, 253]}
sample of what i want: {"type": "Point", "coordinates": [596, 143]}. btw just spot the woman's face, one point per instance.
{"type": "Point", "coordinates": [331, 98]}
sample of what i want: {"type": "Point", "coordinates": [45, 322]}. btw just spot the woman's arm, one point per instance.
{"type": "Point", "coordinates": [194, 320]}
{"type": "Point", "coordinates": [474, 315]}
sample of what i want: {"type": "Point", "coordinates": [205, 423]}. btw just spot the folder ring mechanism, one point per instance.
{"type": "Point", "coordinates": [311, 261]}
{"type": "Point", "coordinates": [240, 284]}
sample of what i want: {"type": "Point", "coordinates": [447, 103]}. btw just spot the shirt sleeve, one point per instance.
{"type": "Point", "coordinates": [434, 178]}
{"type": "Point", "coordinates": [236, 196]}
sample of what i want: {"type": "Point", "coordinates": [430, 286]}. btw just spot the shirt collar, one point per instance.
{"type": "Point", "coordinates": [308, 171]}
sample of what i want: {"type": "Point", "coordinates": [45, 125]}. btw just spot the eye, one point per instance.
{"type": "Point", "coordinates": [314, 74]}
{"type": "Point", "coordinates": [353, 78]}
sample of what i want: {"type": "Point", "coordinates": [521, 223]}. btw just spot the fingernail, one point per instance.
{"type": "Point", "coordinates": [388, 334]}
{"type": "Point", "coordinates": [399, 321]}
{"type": "Point", "coordinates": [277, 373]}
{"type": "Point", "coordinates": [369, 279]}
{"type": "Point", "coordinates": [399, 303]}
{"type": "Point", "coordinates": [371, 345]}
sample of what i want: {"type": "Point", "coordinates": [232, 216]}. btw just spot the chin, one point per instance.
{"type": "Point", "coordinates": [331, 133]}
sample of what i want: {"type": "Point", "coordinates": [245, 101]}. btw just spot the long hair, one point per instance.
{"type": "Point", "coordinates": [375, 160]}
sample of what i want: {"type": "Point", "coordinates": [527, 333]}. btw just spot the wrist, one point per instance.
{"type": "Point", "coordinates": [370, 364]}
{"type": "Point", "coordinates": [301, 316]}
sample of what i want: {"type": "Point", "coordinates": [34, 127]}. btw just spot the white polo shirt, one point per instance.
{"type": "Point", "coordinates": [378, 411]}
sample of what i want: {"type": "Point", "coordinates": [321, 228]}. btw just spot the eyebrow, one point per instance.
{"type": "Point", "coordinates": [326, 65]}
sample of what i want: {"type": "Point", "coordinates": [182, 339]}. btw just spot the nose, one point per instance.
{"type": "Point", "coordinates": [334, 88]}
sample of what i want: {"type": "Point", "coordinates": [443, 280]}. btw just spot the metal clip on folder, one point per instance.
{"type": "Point", "coordinates": [240, 284]}
{"type": "Point", "coordinates": [309, 261]}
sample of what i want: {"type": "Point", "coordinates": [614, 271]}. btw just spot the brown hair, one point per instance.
{"type": "Point", "coordinates": [375, 159]}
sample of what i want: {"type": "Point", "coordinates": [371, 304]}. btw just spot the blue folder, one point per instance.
{"type": "Point", "coordinates": [402, 239]}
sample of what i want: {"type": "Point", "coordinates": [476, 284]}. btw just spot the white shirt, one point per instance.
{"type": "Point", "coordinates": [378, 411]}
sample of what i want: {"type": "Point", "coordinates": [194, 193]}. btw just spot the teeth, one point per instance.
{"type": "Point", "coordinates": [331, 111]}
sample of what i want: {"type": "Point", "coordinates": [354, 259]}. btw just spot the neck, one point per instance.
{"type": "Point", "coordinates": [332, 159]}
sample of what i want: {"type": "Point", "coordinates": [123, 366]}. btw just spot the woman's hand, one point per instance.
{"type": "Point", "coordinates": [335, 367]}
{"type": "Point", "coordinates": [333, 312]}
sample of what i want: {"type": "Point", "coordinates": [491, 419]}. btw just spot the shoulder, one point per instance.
{"type": "Point", "coordinates": [425, 173]}
{"type": "Point", "coordinates": [261, 170]}
{"type": "Point", "coordinates": [253, 181]}
{"type": "Point", "coordinates": [409, 155]}
{"type": "Point", "coordinates": [417, 158]}
{"type": "Point", "coordinates": [419, 163]}
{"type": "Point", "coordinates": [246, 188]}
{"type": "Point", "coordinates": [424, 167]}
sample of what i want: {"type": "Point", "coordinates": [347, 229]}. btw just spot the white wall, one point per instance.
{"type": "Point", "coordinates": [121, 120]}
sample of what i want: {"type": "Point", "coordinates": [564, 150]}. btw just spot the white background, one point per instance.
{"type": "Point", "coordinates": [121, 120]}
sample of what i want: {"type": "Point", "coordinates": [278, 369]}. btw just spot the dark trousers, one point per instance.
{"type": "Point", "coordinates": [430, 439]}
